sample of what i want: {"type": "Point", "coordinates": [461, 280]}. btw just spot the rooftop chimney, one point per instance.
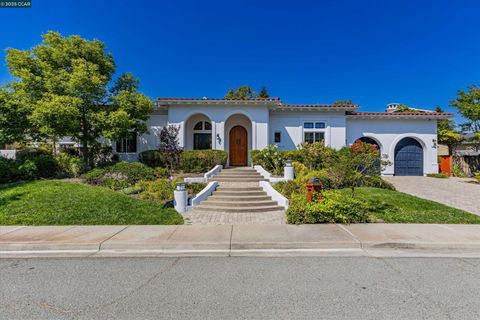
{"type": "Point", "coordinates": [391, 107]}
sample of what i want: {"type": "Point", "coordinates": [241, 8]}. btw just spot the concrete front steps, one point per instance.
{"type": "Point", "coordinates": [238, 175]}
{"type": "Point", "coordinates": [239, 192]}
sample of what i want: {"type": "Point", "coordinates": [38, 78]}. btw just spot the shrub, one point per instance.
{"type": "Point", "coordinates": [152, 158]}
{"type": "Point", "coordinates": [8, 170]}
{"type": "Point", "coordinates": [299, 168]}
{"type": "Point", "coordinates": [287, 188]}
{"type": "Point", "coordinates": [334, 208]}
{"type": "Point", "coordinates": [269, 158]}
{"type": "Point", "coordinates": [28, 170]}
{"type": "Point", "coordinates": [197, 161]}
{"type": "Point", "coordinates": [31, 153]}
{"type": "Point", "coordinates": [119, 175]}
{"type": "Point", "coordinates": [47, 166]}
{"type": "Point", "coordinates": [317, 156]}
{"type": "Point", "coordinates": [195, 187]}
{"type": "Point", "coordinates": [102, 154]}
{"type": "Point", "coordinates": [160, 190]}
{"type": "Point", "coordinates": [161, 172]}
{"type": "Point", "coordinates": [377, 182]}
{"type": "Point", "coordinates": [437, 175]}
{"type": "Point", "coordinates": [294, 155]}
{"type": "Point", "coordinates": [322, 175]}
{"type": "Point", "coordinates": [70, 165]}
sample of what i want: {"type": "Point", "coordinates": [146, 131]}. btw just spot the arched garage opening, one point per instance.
{"type": "Point", "coordinates": [373, 142]}
{"type": "Point", "coordinates": [408, 159]}
{"type": "Point", "coordinates": [369, 141]}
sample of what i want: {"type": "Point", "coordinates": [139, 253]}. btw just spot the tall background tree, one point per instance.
{"type": "Point", "coordinates": [343, 102]}
{"type": "Point", "coordinates": [246, 92]}
{"type": "Point", "coordinates": [468, 105]}
{"type": "Point", "coordinates": [61, 88]}
{"type": "Point", "coordinates": [447, 132]}
{"type": "Point", "coordinates": [263, 93]}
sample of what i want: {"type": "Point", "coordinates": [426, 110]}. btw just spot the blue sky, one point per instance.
{"type": "Point", "coordinates": [373, 52]}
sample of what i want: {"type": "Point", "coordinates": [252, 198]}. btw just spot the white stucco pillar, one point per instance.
{"type": "Point", "coordinates": [182, 133]}
{"type": "Point", "coordinates": [214, 134]}
{"type": "Point", "coordinates": [254, 135]}
{"type": "Point", "coordinates": [220, 136]}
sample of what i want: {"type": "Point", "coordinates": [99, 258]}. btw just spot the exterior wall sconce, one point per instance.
{"type": "Point", "coordinates": [434, 141]}
{"type": "Point", "coordinates": [219, 140]}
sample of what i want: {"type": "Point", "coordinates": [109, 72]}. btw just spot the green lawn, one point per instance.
{"type": "Point", "coordinates": [398, 207]}
{"type": "Point", "coordinates": [66, 203]}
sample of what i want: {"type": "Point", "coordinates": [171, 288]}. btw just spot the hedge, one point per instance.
{"type": "Point", "coordinates": [194, 161]}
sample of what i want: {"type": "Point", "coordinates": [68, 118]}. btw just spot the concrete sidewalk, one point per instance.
{"type": "Point", "coordinates": [229, 240]}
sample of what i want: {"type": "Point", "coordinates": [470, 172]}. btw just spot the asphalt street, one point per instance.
{"type": "Point", "coordinates": [240, 288]}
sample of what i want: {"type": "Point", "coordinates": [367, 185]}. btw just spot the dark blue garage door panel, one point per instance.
{"type": "Point", "coordinates": [408, 158]}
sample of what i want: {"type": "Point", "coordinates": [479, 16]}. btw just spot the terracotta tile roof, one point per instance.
{"type": "Point", "coordinates": [318, 105]}
{"type": "Point", "coordinates": [218, 99]}
{"type": "Point", "coordinates": [363, 113]}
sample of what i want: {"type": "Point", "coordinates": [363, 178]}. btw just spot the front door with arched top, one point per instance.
{"type": "Point", "coordinates": [238, 146]}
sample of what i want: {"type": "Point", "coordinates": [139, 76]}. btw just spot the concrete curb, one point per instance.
{"type": "Point", "coordinates": [239, 240]}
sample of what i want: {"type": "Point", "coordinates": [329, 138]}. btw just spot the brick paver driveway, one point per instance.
{"type": "Point", "coordinates": [454, 192]}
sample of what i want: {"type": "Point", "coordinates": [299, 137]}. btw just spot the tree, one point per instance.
{"type": "Point", "coordinates": [468, 105]}
{"type": "Point", "coordinates": [264, 93]}
{"type": "Point", "coordinates": [242, 93]}
{"type": "Point", "coordinates": [169, 147]}
{"type": "Point", "coordinates": [14, 123]}
{"type": "Point", "coordinates": [446, 131]}
{"type": "Point", "coordinates": [354, 163]}
{"type": "Point", "coordinates": [62, 87]}
{"type": "Point", "coordinates": [343, 102]}
{"type": "Point", "coordinates": [405, 108]}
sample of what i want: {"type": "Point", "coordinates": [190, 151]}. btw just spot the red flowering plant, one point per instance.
{"type": "Point", "coordinates": [354, 163]}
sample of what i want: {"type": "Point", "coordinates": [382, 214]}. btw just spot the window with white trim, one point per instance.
{"type": "Point", "coordinates": [313, 131]}
{"type": "Point", "coordinates": [202, 135]}
{"type": "Point", "coordinates": [127, 145]}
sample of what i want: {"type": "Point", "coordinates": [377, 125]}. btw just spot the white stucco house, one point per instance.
{"type": "Point", "coordinates": [407, 139]}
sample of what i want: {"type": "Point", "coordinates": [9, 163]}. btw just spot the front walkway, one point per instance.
{"type": "Point", "coordinates": [454, 192]}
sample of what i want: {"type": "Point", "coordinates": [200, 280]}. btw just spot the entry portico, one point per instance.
{"type": "Point", "coordinates": [236, 126]}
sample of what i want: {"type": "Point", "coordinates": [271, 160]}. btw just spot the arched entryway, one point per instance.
{"type": "Point", "coordinates": [408, 158]}
{"type": "Point", "coordinates": [238, 146]}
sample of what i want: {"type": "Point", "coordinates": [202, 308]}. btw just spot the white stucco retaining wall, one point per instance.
{"type": "Point", "coordinates": [9, 154]}
{"type": "Point", "coordinates": [388, 133]}
{"type": "Point", "coordinates": [276, 196]}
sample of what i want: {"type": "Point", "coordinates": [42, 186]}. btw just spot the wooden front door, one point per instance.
{"type": "Point", "coordinates": [238, 146]}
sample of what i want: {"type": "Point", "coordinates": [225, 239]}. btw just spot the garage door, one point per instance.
{"type": "Point", "coordinates": [408, 158]}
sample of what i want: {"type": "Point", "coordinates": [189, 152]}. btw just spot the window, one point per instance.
{"type": "Point", "coordinates": [127, 145]}
{"type": "Point", "coordinates": [202, 141]}
{"type": "Point", "coordinates": [313, 132]}
{"type": "Point", "coordinates": [277, 137]}
{"type": "Point", "coordinates": [198, 126]}
{"type": "Point", "coordinates": [202, 135]}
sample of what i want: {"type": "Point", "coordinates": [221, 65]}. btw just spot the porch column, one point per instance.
{"type": "Point", "coordinates": [254, 135]}
{"type": "Point", "coordinates": [220, 131]}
